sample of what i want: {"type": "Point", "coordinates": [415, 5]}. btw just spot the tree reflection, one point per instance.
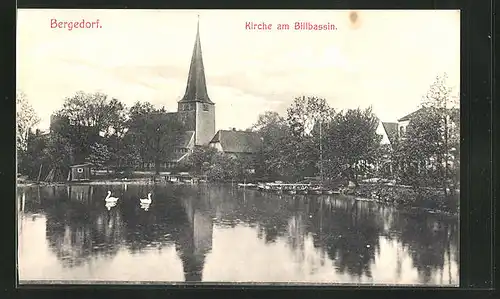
{"type": "Point", "coordinates": [344, 231]}
{"type": "Point", "coordinates": [430, 239]}
{"type": "Point", "coordinates": [77, 231]}
{"type": "Point", "coordinates": [347, 231]}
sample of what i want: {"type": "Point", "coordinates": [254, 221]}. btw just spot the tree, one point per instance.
{"type": "Point", "coordinates": [94, 110]}
{"type": "Point", "coordinates": [135, 136]}
{"type": "Point", "coordinates": [429, 153]}
{"type": "Point", "coordinates": [92, 117]}
{"type": "Point", "coordinates": [305, 112]}
{"type": "Point", "coordinates": [200, 159]}
{"type": "Point", "coordinates": [418, 151]}
{"type": "Point", "coordinates": [291, 145]}
{"type": "Point", "coordinates": [154, 132]}
{"type": "Point", "coordinates": [439, 98]}
{"type": "Point", "coordinates": [166, 131]}
{"type": "Point", "coordinates": [351, 143]}
{"type": "Point", "coordinates": [272, 157]}
{"type": "Point", "coordinates": [58, 153]}
{"type": "Point", "coordinates": [223, 168]}
{"type": "Point", "coordinates": [306, 117]}
{"type": "Point", "coordinates": [99, 155]}
{"type": "Point", "coordinates": [26, 119]}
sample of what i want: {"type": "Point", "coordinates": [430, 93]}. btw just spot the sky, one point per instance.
{"type": "Point", "coordinates": [386, 59]}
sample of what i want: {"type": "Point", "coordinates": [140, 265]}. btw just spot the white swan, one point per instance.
{"type": "Point", "coordinates": [111, 199]}
{"type": "Point", "coordinates": [146, 200]}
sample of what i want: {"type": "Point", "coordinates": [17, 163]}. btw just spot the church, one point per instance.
{"type": "Point", "coordinates": [197, 113]}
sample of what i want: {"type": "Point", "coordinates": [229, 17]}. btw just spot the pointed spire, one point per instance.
{"type": "Point", "coordinates": [196, 89]}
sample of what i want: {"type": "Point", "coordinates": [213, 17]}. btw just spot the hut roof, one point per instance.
{"type": "Point", "coordinates": [82, 165]}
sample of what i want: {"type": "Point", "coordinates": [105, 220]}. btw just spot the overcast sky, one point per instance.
{"type": "Point", "coordinates": [386, 59]}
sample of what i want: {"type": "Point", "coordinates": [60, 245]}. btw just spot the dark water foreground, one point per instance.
{"type": "Point", "coordinates": [215, 233]}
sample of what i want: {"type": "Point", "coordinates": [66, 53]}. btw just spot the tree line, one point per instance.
{"type": "Point", "coordinates": [311, 139]}
{"type": "Point", "coordinates": [91, 127]}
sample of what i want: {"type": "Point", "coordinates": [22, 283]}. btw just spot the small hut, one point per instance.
{"type": "Point", "coordinates": [80, 172]}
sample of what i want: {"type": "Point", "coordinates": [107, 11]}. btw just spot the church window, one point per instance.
{"type": "Point", "coordinates": [205, 107]}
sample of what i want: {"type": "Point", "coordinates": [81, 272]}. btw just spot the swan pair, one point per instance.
{"type": "Point", "coordinates": [111, 201]}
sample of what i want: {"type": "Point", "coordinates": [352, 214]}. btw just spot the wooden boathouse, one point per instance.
{"type": "Point", "coordinates": [80, 172]}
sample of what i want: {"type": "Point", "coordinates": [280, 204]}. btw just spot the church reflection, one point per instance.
{"type": "Point", "coordinates": [345, 233]}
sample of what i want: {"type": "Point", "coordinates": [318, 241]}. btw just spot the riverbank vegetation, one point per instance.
{"type": "Point", "coordinates": [311, 139]}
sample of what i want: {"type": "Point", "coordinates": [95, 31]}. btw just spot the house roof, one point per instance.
{"type": "Point", "coordinates": [391, 129]}
{"type": "Point", "coordinates": [411, 115]}
{"type": "Point", "coordinates": [233, 141]}
{"type": "Point", "coordinates": [408, 117]}
{"type": "Point", "coordinates": [196, 89]}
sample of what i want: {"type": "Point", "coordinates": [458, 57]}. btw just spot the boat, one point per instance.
{"type": "Point", "coordinates": [315, 190]}
{"type": "Point", "coordinates": [291, 191]}
{"type": "Point", "coordinates": [248, 185]}
{"type": "Point", "coordinates": [303, 191]}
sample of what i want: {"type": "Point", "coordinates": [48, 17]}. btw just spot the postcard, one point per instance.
{"type": "Point", "coordinates": [226, 146]}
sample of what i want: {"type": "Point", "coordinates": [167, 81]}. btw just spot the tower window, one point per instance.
{"type": "Point", "coordinates": [205, 107]}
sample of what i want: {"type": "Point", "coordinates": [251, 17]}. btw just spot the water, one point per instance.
{"type": "Point", "coordinates": [220, 234]}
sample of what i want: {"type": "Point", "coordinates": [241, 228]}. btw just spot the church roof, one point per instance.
{"type": "Point", "coordinates": [185, 139]}
{"type": "Point", "coordinates": [233, 141]}
{"type": "Point", "coordinates": [196, 89]}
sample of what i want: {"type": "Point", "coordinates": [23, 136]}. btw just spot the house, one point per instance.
{"type": "Point", "coordinates": [452, 116]}
{"type": "Point", "coordinates": [388, 131]}
{"type": "Point", "coordinates": [404, 121]}
{"type": "Point", "coordinates": [80, 172]}
{"type": "Point", "coordinates": [237, 143]}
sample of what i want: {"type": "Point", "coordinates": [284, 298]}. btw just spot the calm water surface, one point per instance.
{"type": "Point", "coordinates": [220, 234]}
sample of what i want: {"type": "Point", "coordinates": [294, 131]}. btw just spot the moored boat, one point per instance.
{"type": "Point", "coordinates": [315, 190]}
{"type": "Point", "coordinates": [303, 191]}
{"type": "Point", "coordinates": [249, 185]}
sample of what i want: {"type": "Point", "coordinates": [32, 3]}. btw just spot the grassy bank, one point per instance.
{"type": "Point", "coordinates": [406, 196]}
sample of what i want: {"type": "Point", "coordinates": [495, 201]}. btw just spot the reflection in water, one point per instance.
{"type": "Point", "coordinates": [110, 205]}
{"type": "Point", "coordinates": [215, 233]}
{"type": "Point", "coordinates": [145, 206]}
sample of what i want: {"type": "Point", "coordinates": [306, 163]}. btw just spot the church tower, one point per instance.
{"type": "Point", "coordinates": [195, 109]}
